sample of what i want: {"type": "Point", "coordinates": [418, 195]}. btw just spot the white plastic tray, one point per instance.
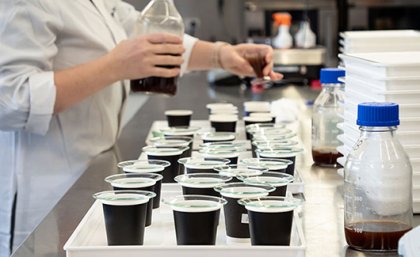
{"type": "Point", "coordinates": [89, 239]}
{"type": "Point", "coordinates": [383, 64]}
{"type": "Point", "coordinates": [406, 110]}
{"type": "Point", "coordinates": [384, 84]}
{"type": "Point", "coordinates": [379, 37]}
{"type": "Point", "coordinates": [400, 97]}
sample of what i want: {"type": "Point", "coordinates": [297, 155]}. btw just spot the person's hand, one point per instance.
{"type": "Point", "coordinates": [145, 56]}
{"type": "Point", "coordinates": [233, 59]}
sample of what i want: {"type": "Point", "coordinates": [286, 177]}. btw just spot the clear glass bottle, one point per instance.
{"type": "Point", "coordinates": [159, 16]}
{"type": "Point", "coordinates": [378, 182]}
{"type": "Point", "coordinates": [325, 117]}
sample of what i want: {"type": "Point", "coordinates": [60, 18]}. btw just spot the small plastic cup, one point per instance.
{"type": "Point", "coordinates": [264, 114]}
{"type": "Point", "coordinates": [201, 165]}
{"type": "Point", "coordinates": [256, 120]}
{"type": "Point", "coordinates": [286, 153]}
{"type": "Point", "coordinates": [147, 166]}
{"type": "Point", "coordinates": [270, 219]}
{"type": "Point", "coordinates": [171, 155]}
{"type": "Point", "coordinates": [271, 132]}
{"type": "Point", "coordinates": [223, 122]}
{"type": "Point", "coordinates": [138, 181]}
{"type": "Point", "coordinates": [273, 165]}
{"type": "Point", "coordinates": [124, 215]}
{"type": "Point", "coordinates": [173, 141]}
{"type": "Point", "coordinates": [274, 179]}
{"type": "Point", "coordinates": [231, 154]}
{"type": "Point", "coordinates": [219, 106]}
{"type": "Point", "coordinates": [236, 145]}
{"type": "Point", "coordinates": [213, 137]}
{"type": "Point", "coordinates": [224, 110]}
{"type": "Point", "coordinates": [235, 171]}
{"type": "Point", "coordinates": [178, 118]}
{"type": "Point", "coordinates": [201, 183]}
{"type": "Point", "coordinates": [236, 216]}
{"type": "Point", "coordinates": [196, 218]}
{"type": "Point", "coordinates": [175, 131]}
{"type": "Point", "coordinates": [265, 144]}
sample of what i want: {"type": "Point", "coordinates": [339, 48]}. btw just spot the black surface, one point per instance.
{"type": "Point", "coordinates": [234, 213]}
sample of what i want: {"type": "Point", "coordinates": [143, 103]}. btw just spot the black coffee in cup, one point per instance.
{"type": "Point", "coordinates": [178, 118]}
{"type": "Point", "coordinates": [270, 219]}
{"type": "Point", "coordinates": [275, 179]}
{"type": "Point", "coordinates": [124, 215]}
{"type": "Point", "coordinates": [156, 85]}
{"type": "Point", "coordinates": [285, 154]}
{"type": "Point", "coordinates": [201, 183]}
{"type": "Point", "coordinates": [172, 155]}
{"type": "Point", "coordinates": [236, 216]}
{"type": "Point", "coordinates": [214, 137]}
{"type": "Point", "coordinates": [255, 120]}
{"type": "Point", "coordinates": [196, 218]}
{"type": "Point", "coordinates": [145, 167]}
{"type": "Point", "coordinates": [135, 182]}
{"type": "Point", "coordinates": [223, 123]}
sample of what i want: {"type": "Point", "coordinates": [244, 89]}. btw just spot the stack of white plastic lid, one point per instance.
{"type": "Point", "coordinates": [353, 42]}
{"type": "Point", "coordinates": [384, 77]}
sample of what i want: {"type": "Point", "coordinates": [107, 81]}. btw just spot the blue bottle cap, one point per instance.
{"type": "Point", "coordinates": [378, 114]}
{"type": "Point", "coordinates": [331, 75]}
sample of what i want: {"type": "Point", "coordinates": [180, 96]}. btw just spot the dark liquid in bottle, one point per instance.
{"type": "Point", "coordinates": [258, 63]}
{"type": "Point", "coordinates": [325, 158]}
{"type": "Point", "coordinates": [156, 85]}
{"type": "Point", "coordinates": [375, 235]}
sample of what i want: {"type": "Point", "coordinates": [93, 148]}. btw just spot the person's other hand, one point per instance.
{"type": "Point", "coordinates": [233, 59]}
{"type": "Point", "coordinates": [158, 55]}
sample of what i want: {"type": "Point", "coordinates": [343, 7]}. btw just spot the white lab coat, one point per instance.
{"type": "Point", "coordinates": [41, 154]}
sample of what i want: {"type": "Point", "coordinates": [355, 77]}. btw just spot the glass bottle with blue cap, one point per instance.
{"type": "Point", "coordinates": [378, 182]}
{"type": "Point", "coordinates": [325, 117]}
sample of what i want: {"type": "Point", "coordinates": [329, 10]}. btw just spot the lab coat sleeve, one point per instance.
{"type": "Point", "coordinates": [189, 43]}
{"type": "Point", "coordinates": [28, 32]}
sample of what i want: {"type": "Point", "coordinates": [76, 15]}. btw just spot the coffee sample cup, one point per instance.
{"type": "Point", "coordinates": [228, 110]}
{"type": "Point", "coordinates": [272, 132]}
{"type": "Point", "coordinates": [200, 165]}
{"type": "Point", "coordinates": [275, 179]}
{"type": "Point", "coordinates": [173, 141]}
{"type": "Point", "coordinates": [144, 167]}
{"type": "Point", "coordinates": [213, 137]}
{"type": "Point", "coordinates": [235, 145]}
{"type": "Point", "coordinates": [176, 131]}
{"type": "Point", "coordinates": [231, 154]}
{"type": "Point", "coordinates": [255, 120]}
{"type": "Point", "coordinates": [273, 144]}
{"type": "Point", "coordinates": [264, 114]}
{"type": "Point", "coordinates": [223, 123]}
{"type": "Point", "coordinates": [286, 153]}
{"type": "Point", "coordinates": [136, 181]}
{"type": "Point", "coordinates": [236, 171]}
{"type": "Point", "coordinates": [196, 218]}
{"type": "Point", "coordinates": [272, 165]}
{"type": "Point", "coordinates": [236, 216]}
{"type": "Point", "coordinates": [201, 183]}
{"type": "Point", "coordinates": [178, 118]}
{"type": "Point", "coordinates": [172, 155]}
{"type": "Point", "coordinates": [270, 219]}
{"type": "Point", "coordinates": [124, 215]}
{"type": "Point", "coordinates": [219, 106]}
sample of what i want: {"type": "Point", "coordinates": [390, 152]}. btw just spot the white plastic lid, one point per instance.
{"type": "Point", "coordinates": [223, 118]}
{"type": "Point", "coordinates": [124, 197]}
{"type": "Point", "coordinates": [178, 112]}
{"type": "Point", "coordinates": [195, 203]}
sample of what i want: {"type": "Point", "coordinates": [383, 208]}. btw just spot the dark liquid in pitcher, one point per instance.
{"type": "Point", "coordinates": [322, 158]}
{"type": "Point", "coordinates": [375, 235]}
{"type": "Point", "coordinates": [157, 85]}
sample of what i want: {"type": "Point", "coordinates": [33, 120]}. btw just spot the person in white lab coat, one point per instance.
{"type": "Point", "coordinates": [64, 71]}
